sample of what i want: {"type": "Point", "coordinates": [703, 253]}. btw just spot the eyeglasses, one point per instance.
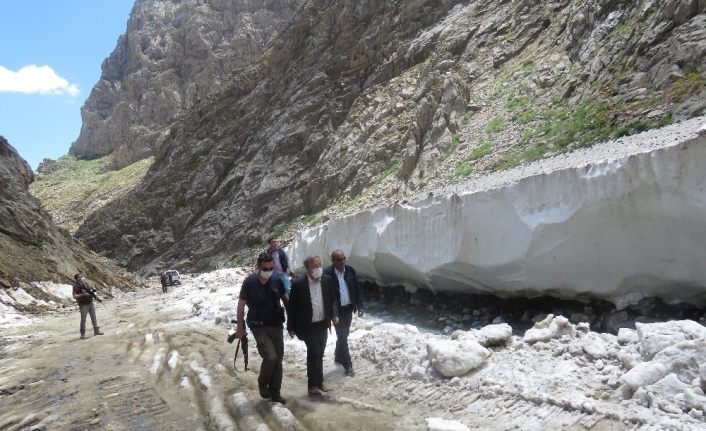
{"type": "Point", "coordinates": [339, 259]}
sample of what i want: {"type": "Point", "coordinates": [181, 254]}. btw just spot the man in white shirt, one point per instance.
{"type": "Point", "coordinates": [350, 300]}
{"type": "Point", "coordinates": [311, 309]}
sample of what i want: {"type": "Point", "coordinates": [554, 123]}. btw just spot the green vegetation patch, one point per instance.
{"type": "Point", "coordinates": [683, 87]}
{"type": "Point", "coordinates": [78, 185]}
{"type": "Point", "coordinates": [495, 125]}
{"type": "Point", "coordinates": [465, 167]}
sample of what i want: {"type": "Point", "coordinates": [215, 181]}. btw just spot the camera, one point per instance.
{"type": "Point", "coordinates": [231, 337]}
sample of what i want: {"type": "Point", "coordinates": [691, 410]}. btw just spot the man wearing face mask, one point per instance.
{"type": "Point", "coordinates": [311, 309]}
{"type": "Point", "coordinates": [262, 293]}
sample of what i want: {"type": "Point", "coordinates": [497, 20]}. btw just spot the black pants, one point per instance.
{"type": "Point", "coordinates": [343, 328]}
{"type": "Point", "coordinates": [270, 345]}
{"type": "Point", "coordinates": [164, 288]}
{"type": "Point", "coordinates": [315, 336]}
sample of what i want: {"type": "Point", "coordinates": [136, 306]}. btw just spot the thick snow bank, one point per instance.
{"type": "Point", "coordinates": [619, 221]}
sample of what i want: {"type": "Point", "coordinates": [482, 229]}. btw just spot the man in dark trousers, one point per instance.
{"type": "Point", "coordinates": [312, 307]}
{"type": "Point", "coordinates": [262, 293]}
{"type": "Point", "coordinates": [350, 300]}
{"type": "Point", "coordinates": [85, 305]}
{"type": "Point", "coordinates": [163, 280]}
{"type": "Point", "coordinates": [281, 262]}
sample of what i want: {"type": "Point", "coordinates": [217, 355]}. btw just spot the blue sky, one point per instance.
{"type": "Point", "coordinates": [40, 107]}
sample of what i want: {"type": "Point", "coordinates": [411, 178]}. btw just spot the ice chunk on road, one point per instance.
{"type": "Point", "coordinates": [549, 328]}
{"type": "Point", "coordinates": [456, 358]}
{"type": "Point", "coordinates": [439, 424]}
{"type": "Point", "coordinates": [643, 374]}
{"type": "Point", "coordinates": [655, 337]}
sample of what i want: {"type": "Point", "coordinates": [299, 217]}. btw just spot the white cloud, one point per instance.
{"type": "Point", "coordinates": [35, 79]}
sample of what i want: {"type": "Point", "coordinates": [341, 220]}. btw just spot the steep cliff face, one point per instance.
{"type": "Point", "coordinates": [172, 54]}
{"type": "Point", "coordinates": [360, 103]}
{"type": "Point", "coordinates": [32, 248]}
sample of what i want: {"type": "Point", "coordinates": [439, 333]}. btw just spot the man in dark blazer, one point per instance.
{"type": "Point", "coordinates": [350, 300]}
{"type": "Point", "coordinates": [311, 309]}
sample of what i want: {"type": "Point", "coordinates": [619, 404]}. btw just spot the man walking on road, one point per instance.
{"type": "Point", "coordinates": [281, 262]}
{"type": "Point", "coordinates": [262, 293]}
{"type": "Point", "coordinates": [81, 294]}
{"type": "Point", "coordinates": [312, 307]}
{"type": "Point", "coordinates": [350, 300]}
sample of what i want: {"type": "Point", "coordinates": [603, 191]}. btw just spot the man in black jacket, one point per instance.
{"type": "Point", "coordinates": [350, 300]}
{"type": "Point", "coordinates": [311, 309]}
{"type": "Point", "coordinates": [262, 293]}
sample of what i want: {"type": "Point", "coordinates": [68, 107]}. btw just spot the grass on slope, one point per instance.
{"type": "Point", "coordinates": [80, 187]}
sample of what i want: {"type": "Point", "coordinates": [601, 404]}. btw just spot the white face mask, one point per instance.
{"type": "Point", "coordinates": [316, 272]}
{"type": "Point", "coordinates": [265, 274]}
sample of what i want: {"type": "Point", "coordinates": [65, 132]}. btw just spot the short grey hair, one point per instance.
{"type": "Point", "coordinates": [338, 250]}
{"type": "Point", "coordinates": [308, 260]}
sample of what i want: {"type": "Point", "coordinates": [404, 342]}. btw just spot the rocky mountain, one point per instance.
{"type": "Point", "coordinates": [32, 248]}
{"type": "Point", "coordinates": [357, 104]}
{"type": "Point", "coordinates": [173, 54]}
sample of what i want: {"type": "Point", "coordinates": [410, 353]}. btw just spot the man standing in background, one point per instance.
{"type": "Point", "coordinates": [312, 306]}
{"type": "Point", "coordinates": [281, 262]}
{"type": "Point", "coordinates": [350, 300]}
{"type": "Point", "coordinates": [85, 304]}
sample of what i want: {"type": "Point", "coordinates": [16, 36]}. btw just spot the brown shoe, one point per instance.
{"type": "Point", "coordinates": [314, 391]}
{"type": "Point", "coordinates": [323, 388]}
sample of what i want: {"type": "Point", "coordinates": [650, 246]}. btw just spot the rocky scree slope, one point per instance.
{"type": "Point", "coordinates": [172, 55]}
{"type": "Point", "coordinates": [32, 248]}
{"type": "Point", "coordinates": [359, 104]}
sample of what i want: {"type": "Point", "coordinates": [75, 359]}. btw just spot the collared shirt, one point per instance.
{"type": "Point", "coordinates": [278, 265]}
{"type": "Point", "coordinates": [317, 300]}
{"type": "Point", "coordinates": [343, 287]}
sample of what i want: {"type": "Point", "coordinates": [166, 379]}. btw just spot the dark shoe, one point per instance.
{"type": "Point", "coordinates": [314, 391]}
{"type": "Point", "coordinates": [264, 391]}
{"type": "Point", "coordinates": [97, 331]}
{"type": "Point", "coordinates": [83, 335]}
{"type": "Point", "coordinates": [278, 399]}
{"type": "Point", "coordinates": [323, 388]}
{"type": "Point", "coordinates": [349, 371]}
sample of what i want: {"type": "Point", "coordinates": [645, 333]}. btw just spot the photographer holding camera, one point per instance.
{"type": "Point", "coordinates": [262, 294]}
{"type": "Point", "coordinates": [84, 297]}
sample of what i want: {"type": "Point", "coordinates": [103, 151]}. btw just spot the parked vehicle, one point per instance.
{"type": "Point", "coordinates": [173, 278]}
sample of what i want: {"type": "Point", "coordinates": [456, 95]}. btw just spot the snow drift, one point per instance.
{"type": "Point", "coordinates": [619, 221]}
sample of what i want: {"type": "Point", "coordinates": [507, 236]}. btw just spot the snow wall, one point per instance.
{"type": "Point", "coordinates": [620, 221]}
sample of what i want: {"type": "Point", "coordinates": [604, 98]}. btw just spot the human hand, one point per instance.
{"type": "Point", "coordinates": [361, 312]}
{"type": "Point", "coordinates": [240, 332]}
{"type": "Point", "coordinates": [335, 320]}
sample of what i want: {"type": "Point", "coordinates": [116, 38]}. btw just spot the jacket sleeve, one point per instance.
{"type": "Point", "coordinates": [358, 290]}
{"type": "Point", "coordinates": [285, 264]}
{"type": "Point", "coordinates": [291, 307]}
{"type": "Point", "coordinates": [334, 298]}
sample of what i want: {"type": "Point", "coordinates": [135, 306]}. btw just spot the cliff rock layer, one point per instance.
{"type": "Point", "coordinates": [360, 103]}
{"type": "Point", "coordinates": [32, 248]}
{"type": "Point", "coordinates": [172, 54]}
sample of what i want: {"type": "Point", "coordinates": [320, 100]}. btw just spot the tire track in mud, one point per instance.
{"type": "Point", "coordinates": [177, 360]}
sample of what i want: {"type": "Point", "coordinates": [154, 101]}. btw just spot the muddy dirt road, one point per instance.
{"type": "Point", "coordinates": [164, 364]}
{"type": "Point", "coordinates": [157, 368]}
